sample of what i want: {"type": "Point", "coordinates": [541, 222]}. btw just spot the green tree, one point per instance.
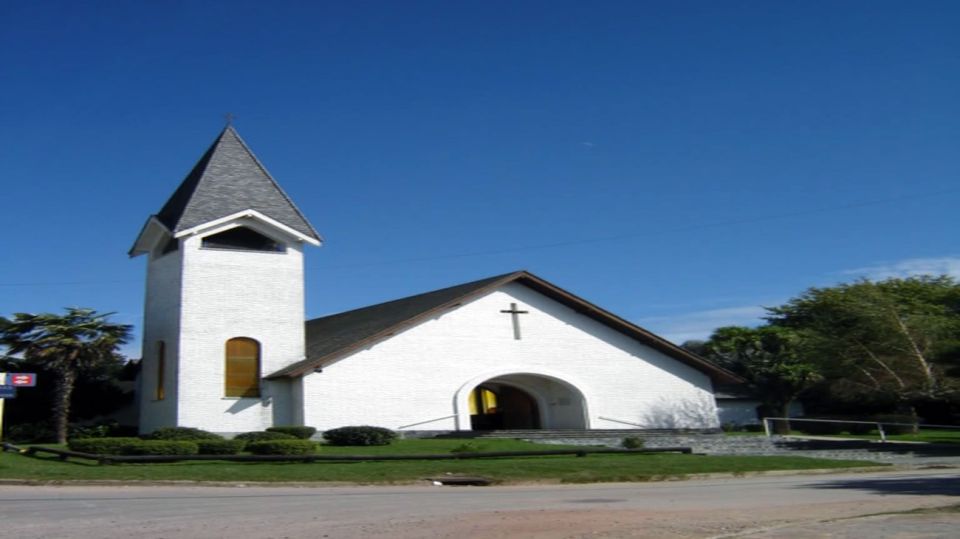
{"type": "Point", "coordinates": [66, 345]}
{"type": "Point", "coordinates": [771, 359]}
{"type": "Point", "coordinates": [897, 336]}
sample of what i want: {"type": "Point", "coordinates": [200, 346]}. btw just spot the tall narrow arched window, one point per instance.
{"type": "Point", "coordinates": [159, 391]}
{"type": "Point", "coordinates": [242, 377]}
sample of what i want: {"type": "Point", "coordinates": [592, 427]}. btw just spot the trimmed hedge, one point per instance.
{"type": "Point", "coordinates": [359, 435]}
{"type": "Point", "coordinates": [220, 447]}
{"type": "Point", "coordinates": [282, 447]}
{"type": "Point", "coordinates": [263, 436]}
{"type": "Point", "coordinates": [181, 433]}
{"type": "Point", "coordinates": [160, 447]}
{"type": "Point", "coordinates": [303, 433]}
{"type": "Point", "coordinates": [132, 446]}
{"type": "Point", "coordinates": [101, 446]}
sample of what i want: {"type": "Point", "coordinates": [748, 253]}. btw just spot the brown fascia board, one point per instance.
{"type": "Point", "coordinates": [303, 367]}
{"type": "Point", "coordinates": [579, 305]}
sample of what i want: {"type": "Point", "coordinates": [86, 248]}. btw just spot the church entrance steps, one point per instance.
{"type": "Point", "coordinates": [577, 434]}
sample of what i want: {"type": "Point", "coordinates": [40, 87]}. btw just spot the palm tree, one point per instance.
{"type": "Point", "coordinates": [66, 345]}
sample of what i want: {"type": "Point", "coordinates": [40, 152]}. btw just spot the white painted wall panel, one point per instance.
{"type": "Point", "coordinates": [424, 373]}
{"type": "Point", "coordinates": [229, 294]}
{"type": "Point", "coordinates": [161, 322]}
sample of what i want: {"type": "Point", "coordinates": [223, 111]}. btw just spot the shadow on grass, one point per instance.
{"type": "Point", "coordinates": [921, 486]}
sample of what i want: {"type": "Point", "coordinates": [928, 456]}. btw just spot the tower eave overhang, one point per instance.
{"type": "Point", "coordinates": [150, 235]}
{"type": "Point", "coordinates": [238, 217]}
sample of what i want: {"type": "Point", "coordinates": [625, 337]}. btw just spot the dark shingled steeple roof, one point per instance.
{"type": "Point", "coordinates": [229, 179]}
{"type": "Point", "coordinates": [334, 337]}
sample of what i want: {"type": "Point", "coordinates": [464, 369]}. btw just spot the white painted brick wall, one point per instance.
{"type": "Point", "coordinates": [229, 294]}
{"type": "Point", "coordinates": [421, 374]}
{"type": "Point", "coordinates": [197, 299]}
{"type": "Point", "coordinates": [425, 372]}
{"type": "Point", "coordinates": [161, 321]}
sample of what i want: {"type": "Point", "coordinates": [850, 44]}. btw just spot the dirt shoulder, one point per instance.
{"type": "Point", "coordinates": [848, 520]}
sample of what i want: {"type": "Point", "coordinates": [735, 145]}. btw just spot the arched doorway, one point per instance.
{"type": "Point", "coordinates": [521, 401]}
{"type": "Point", "coordinates": [501, 406]}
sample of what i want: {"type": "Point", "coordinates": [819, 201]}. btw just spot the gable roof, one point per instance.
{"type": "Point", "coordinates": [333, 337]}
{"type": "Point", "coordinates": [226, 180]}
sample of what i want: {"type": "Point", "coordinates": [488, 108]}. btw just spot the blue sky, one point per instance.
{"type": "Point", "coordinates": [678, 163]}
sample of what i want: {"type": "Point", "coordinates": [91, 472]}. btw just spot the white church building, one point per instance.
{"type": "Point", "coordinates": [226, 347]}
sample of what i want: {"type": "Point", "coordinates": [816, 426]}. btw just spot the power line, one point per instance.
{"type": "Point", "coordinates": [634, 235]}
{"type": "Point", "coordinates": [583, 241]}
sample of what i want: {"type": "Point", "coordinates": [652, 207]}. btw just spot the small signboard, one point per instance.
{"type": "Point", "coordinates": [8, 392]}
{"type": "Point", "coordinates": [22, 379]}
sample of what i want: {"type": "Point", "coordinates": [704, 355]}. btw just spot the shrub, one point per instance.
{"type": "Point", "coordinates": [632, 442]}
{"type": "Point", "coordinates": [303, 433]}
{"type": "Point", "coordinates": [182, 434]}
{"type": "Point", "coordinates": [263, 436]}
{"type": "Point", "coordinates": [160, 447]}
{"type": "Point", "coordinates": [467, 447]}
{"type": "Point", "coordinates": [220, 447]}
{"type": "Point", "coordinates": [30, 433]}
{"type": "Point", "coordinates": [100, 446]}
{"type": "Point", "coordinates": [282, 447]}
{"type": "Point", "coordinates": [99, 430]}
{"type": "Point", "coordinates": [362, 435]}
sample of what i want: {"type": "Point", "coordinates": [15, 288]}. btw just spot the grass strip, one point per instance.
{"type": "Point", "coordinates": [564, 469]}
{"type": "Point", "coordinates": [114, 459]}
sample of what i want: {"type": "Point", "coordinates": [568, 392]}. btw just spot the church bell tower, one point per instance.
{"type": "Point", "coordinates": [224, 297]}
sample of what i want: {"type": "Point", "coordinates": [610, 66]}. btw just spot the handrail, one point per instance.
{"type": "Point", "coordinates": [427, 421]}
{"type": "Point", "coordinates": [622, 421]}
{"type": "Point", "coordinates": [879, 424]}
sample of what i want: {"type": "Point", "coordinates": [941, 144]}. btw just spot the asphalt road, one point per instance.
{"type": "Point", "coordinates": [782, 506]}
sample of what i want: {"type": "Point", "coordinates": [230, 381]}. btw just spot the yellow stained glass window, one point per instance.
{"type": "Point", "coordinates": [242, 368]}
{"type": "Point", "coordinates": [482, 401]}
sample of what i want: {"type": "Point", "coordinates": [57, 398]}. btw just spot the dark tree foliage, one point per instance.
{"type": "Point", "coordinates": [897, 338]}
{"type": "Point", "coordinates": [65, 349]}
{"type": "Point", "coordinates": [770, 359]}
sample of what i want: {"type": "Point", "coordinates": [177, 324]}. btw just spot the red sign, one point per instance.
{"type": "Point", "coordinates": [22, 379]}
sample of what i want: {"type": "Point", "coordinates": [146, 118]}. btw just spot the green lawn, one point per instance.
{"type": "Point", "coordinates": [593, 468]}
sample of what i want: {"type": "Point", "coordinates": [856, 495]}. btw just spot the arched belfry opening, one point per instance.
{"type": "Point", "coordinates": [526, 401]}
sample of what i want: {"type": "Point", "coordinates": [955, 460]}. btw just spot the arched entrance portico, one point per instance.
{"type": "Point", "coordinates": [521, 401]}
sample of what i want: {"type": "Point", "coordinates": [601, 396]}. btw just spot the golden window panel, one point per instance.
{"type": "Point", "coordinates": [483, 401]}
{"type": "Point", "coordinates": [242, 377]}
